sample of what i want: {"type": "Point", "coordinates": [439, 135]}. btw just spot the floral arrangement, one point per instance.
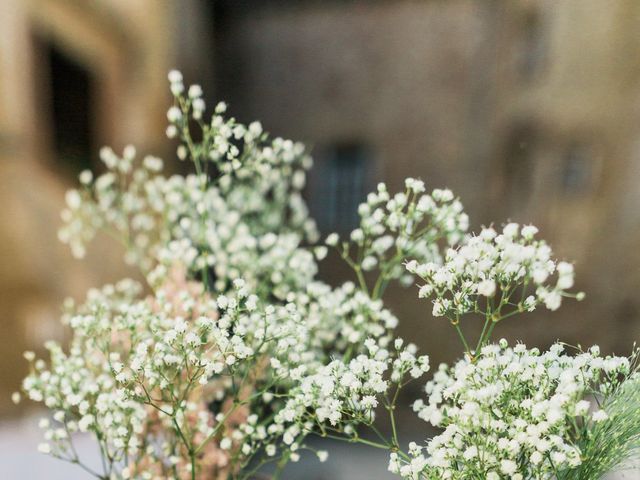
{"type": "Point", "coordinates": [234, 353]}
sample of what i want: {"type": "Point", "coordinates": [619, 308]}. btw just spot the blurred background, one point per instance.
{"type": "Point", "coordinates": [528, 110]}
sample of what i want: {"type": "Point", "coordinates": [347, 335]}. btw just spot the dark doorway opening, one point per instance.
{"type": "Point", "coordinates": [71, 87]}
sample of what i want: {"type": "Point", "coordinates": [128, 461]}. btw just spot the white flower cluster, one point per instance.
{"type": "Point", "coordinates": [342, 318]}
{"type": "Point", "coordinates": [235, 352]}
{"type": "Point", "coordinates": [249, 165]}
{"type": "Point", "coordinates": [135, 365]}
{"type": "Point", "coordinates": [513, 413]}
{"type": "Point", "coordinates": [341, 395]}
{"type": "Point", "coordinates": [79, 387]}
{"type": "Point", "coordinates": [409, 224]}
{"type": "Point", "coordinates": [252, 228]}
{"type": "Point", "coordinates": [490, 265]}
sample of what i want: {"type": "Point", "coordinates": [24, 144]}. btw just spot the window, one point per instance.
{"type": "Point", "coordinates": [532, 48]}
{"type": "Point", "coordinates": [577, 173]}
{"type": "Point", "coordinates": [71, 88]}
{"type": "Point", "coordinates": [340, 186]}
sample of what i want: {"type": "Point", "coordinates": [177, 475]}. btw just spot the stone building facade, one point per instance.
{"type": "Point", "coordinates": [527, 109]}
{"type": "Point", "coordinates": [74, 75]}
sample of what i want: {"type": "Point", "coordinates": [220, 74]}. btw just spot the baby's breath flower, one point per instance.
{"type": "Point", "coordinates": [514, 408]}
{"type": "Point", "coordinates": [488, 262]}
{"type": "Point", "coordinates": [237, 352]}
{"type": "Point", "coordinates": [332, 240]}
{"type": "Point", "coordinates": [174, 114]}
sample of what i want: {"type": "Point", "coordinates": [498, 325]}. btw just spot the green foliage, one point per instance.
{"type": "Point", "coordinates": [612, 444]}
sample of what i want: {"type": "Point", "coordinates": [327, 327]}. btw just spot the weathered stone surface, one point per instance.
{"type": "Point", "coordinates": [528, 110]}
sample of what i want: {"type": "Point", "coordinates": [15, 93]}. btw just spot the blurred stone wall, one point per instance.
{"type": "Point", "coordinates": [526, 109]}
{"type": "Point", "coordinates": [125, 48]}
